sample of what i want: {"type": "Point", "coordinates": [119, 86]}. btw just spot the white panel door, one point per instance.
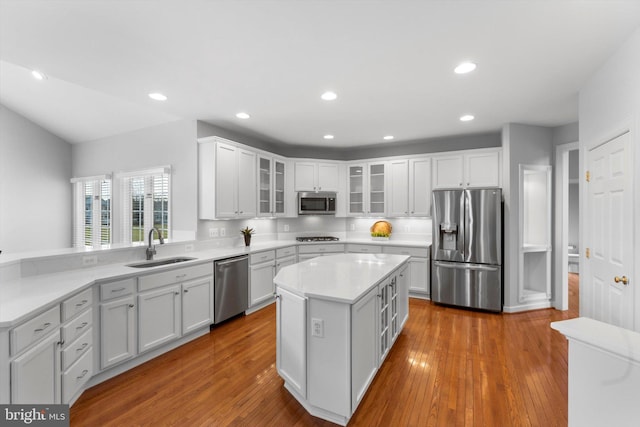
{"type": "Point", "coordinates": [448, 172]}
{"type": "Point", "coordinates": [35, 375]}
{"type": "Point", "coordinates": [158, 317]}
{"type": "Point", "coordinates": [609, 234]}
{"type": "Point", "coordinates": [482, 169]}
{"type": "Point", "coordinates": [420, 187]}
{"type": "Point", "coordinates": [291, 340]}
{"type": "Point", "coordinates": [226, 181]}
{"type": "Point", "coordinates": [197, 304]}
{"type": "Point", "coordinates": [327, 177]}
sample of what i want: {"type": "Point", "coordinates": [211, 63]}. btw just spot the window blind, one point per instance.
{"type": "Point", "coordinates": [92, 218]}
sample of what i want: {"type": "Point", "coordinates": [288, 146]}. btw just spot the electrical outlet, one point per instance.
{"type": "Point", "coordinates": [89, 260]}
{"type": "Point", "coordinates": [286, 227]}
{"type": "Point", "coordinates": [223, 232]}
{"type": "Point", "coordinates": [213, 232]}
{"type": "Point", "coordinates": [188, 248]}
{"type": "Point", "coordinates": [317, 328]}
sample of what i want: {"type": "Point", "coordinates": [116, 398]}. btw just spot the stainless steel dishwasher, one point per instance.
{"type": "Point", "coordinates": [231, 284]}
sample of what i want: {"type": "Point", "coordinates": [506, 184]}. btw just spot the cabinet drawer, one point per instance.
{"type": "Point", "coordinates": [283, 252]}
{"type": "Point", "coordinates": [72, 352]}
{"type": "Point", "coordinates": [177, 275]}
{"type": "Point", "coordinates": [77, 375]}
{"type": "Point", "coordinates": [414, 252]}
{"type": "Point", "coordinates": [261, 257]}
{"type": "Point", "coordinates": [367, 249]}
{"type": "Point", "coordinates": [314, 249]}
{"type": "Point", "coordinates": [117, 289]}
{"type": "Point", "coordinates": [76, 304]}
{"type": "Point", "coordinates": [32, 330]}
{"type": "Point", "coordinates": [77, 326]}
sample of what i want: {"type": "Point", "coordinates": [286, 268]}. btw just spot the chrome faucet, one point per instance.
{"type": "Point", "coordinates": [151, 250]}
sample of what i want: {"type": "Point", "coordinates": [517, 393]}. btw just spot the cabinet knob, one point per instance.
{"type": "Point", "coordinates": [186, 290]}
{"type": "Point", "coordinates": [61, 343]}
{"type": "Point", "coordinates": [176, 293]}
{"type": "Point", "coordinates": [460, 184]}
{"type": "Point", "coordinates": [131, 305]}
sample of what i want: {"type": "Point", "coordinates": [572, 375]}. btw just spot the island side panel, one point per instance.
{"type": "Point", "coordinates": [329, 356]}
{"type": "Point", "coordinates": [291, 340]}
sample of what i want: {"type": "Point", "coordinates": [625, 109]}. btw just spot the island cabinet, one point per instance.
{"type": "Point", "coordinates": [337, 319]}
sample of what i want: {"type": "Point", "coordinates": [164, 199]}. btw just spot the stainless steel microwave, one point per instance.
{"type": "Point", "coordinates": [321, 203]}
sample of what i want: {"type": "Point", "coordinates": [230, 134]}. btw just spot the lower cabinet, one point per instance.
{"type": "Point", "coordinates": [118, 331]}
{"type": "Point", "coordinates": [35, 375]}
{"type": "Point", "coordinates": [418, 274]}
{"type": "Point", "coordinates": [291, 351]}
{"type": "Point", "coordinates": [197, 309]}
{"type": "Point", "coordinates": [262, 267]}
{"type": "Point", "coordinates": [159, 315]}
{"type": "Point", "coordinates": [364, 348]}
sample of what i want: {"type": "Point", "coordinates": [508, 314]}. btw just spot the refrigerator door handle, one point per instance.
{"type": "Point", "coordinates": [463, 266]}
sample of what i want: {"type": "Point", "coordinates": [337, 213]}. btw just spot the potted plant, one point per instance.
{"type": "Point", "coordinates": [247, 232]}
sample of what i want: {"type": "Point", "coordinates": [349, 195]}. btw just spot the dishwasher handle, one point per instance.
{"type": "Point", "coordinates": [230, 261]}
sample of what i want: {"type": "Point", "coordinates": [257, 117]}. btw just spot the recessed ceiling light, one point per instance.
{"type": "Point", "coordinates": [38, 75]}
{"type": "Point", "coordinates": [388, 137]}
{"type": "Point", "coordinates": [242, 115]}
{"type": "Point", "coordinates": [328, 137]}
{"type": "Point", "coordinates": [465, 67]}
{"type": "Point", "coordinates": [157, 96]}
{"type": "Point", "coordinates": [329, 96]}
{"type": "Point", "coordinates": [466, 118]}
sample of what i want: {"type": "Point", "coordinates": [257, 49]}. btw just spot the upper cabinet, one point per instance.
{"type": "Point", "coordinates": [409, 187]}
{"type": "Point", "coordinates": [314, 176]}
{"type": "Point", "coordinates": [367, 189]}
{"type": "Point", "coordinates": [468, 170]}
{"type": "Point", "coordinates": [271, 186]}
{"type": "Point", "coordinates": [235, 182]}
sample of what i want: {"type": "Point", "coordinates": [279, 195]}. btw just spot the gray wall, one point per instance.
{"type": "Point", "coordinates": [522, 144]}
{"type": "Point", "coordinates": [423, 146]}
{"type": "Point", "coordinates": [173, 144]}
{"type": "Point", "coordinates": [566, 134]}
{"type": "Point", "coordinates": [35, 191]}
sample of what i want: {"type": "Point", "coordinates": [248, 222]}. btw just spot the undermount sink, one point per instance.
{"type": "Point", "coordinates": [166, 261]}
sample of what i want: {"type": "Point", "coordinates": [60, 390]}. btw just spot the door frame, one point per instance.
{"type": "Point", "coordinates": [561, 238]}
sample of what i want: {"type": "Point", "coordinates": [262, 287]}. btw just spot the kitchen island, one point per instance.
{"type": "Point", "coordinates": [337, 318]}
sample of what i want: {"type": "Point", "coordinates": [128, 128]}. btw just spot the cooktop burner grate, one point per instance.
{"type": "Point", "coordinates": [317, 239]}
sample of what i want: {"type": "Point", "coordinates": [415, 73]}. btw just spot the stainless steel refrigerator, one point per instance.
{"type": "Point", "coordinates": [466, 267]}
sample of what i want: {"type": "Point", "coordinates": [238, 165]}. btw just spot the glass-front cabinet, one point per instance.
{"type": "Point", "coordinates": [367, 189]}
{"type": "Point", "coordinates": [271, 179]}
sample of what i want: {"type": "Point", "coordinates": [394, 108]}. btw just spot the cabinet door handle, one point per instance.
{"type": "Point", "coordinates": [118, 290]}
{"type": "Point", "coordinates": [84, 301]}
{"type": "Point", "coordinates": [85, 372]}
{"type": "Point", "coordinates": [81, 326]}
{"type": "Point", "coordinates": [186, 290]}
{"type": "Point", "coordinates": [84, 345]}
{"type": "Point", "coordinates": [131, 305]}
{"type": "Point", "coordinates": [45, 326]}
{"type": "Point", "coordinates": [181, 276]}
{"type": "Point", "coordinates": [61, 343]}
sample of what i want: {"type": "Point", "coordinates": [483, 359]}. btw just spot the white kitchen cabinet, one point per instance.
{"type": "Point", "coordinates": [286, 256]}
{"type": "Point", "coordinates": [291, 351]}
{"type": "Point", "coordinates": [363, 249]}
{"type": "Point", "coordinates": [316, 176]}
{"type": "Point", "coordinates": [262, 267]}
{"type": "Point", "coordinates": [418, 273]}
{"type": "Point", "coordinates": [197, 306]}
{"type": "Point", "coordinates": [367, 189]}
{"type": "Point", "coordinates": [398, 187]}
{"type": "Point", "coordinates": [420, 187]}
{"type": "Point", "coordinates": [481, 168]}
{"type": "Point", "coordinates": [386, 299]}
{"type": "Point", "coordinates": [403, 278]}
{"type": "Point", "coordinates": [159, 314]}
{"type": "Point", "coordinates": [235, 177]}
{"type": "Point", "coordinates": [306, 252]}
{"type": "Point", "coordinates": [35, 375]}
{"type": "Point", "coordinates": [271, 186]}
{"type": "Point", "coordinates": [118, 331]}
{"type": "Point", "coordinates": [364, 346]}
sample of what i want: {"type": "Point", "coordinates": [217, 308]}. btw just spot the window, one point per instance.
{"type": "Point", "coordinates": [92, 211]}
{"type": "Point", "coordinates": [145, 204]}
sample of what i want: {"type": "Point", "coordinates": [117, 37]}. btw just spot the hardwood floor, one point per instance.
{"type": "Point", "coordinates": [449, 367]}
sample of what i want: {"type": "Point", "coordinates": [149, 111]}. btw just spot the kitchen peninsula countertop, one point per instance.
{"type": "Point", "coordinates": [343, 277]}
{"type": "Point", "coordinates": [24, 296]}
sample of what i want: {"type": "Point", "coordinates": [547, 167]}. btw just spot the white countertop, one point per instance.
{"type": "Point", "coordinates": [341, 277]}
{"type": "Point", "coordinates": [22, 297]}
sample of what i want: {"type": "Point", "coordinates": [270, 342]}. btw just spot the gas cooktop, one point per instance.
{"type": "Point", "coordinates": [317, 239]}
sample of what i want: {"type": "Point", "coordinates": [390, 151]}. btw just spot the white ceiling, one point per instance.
{"type": "Point", "coordinates": [391, 63]}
